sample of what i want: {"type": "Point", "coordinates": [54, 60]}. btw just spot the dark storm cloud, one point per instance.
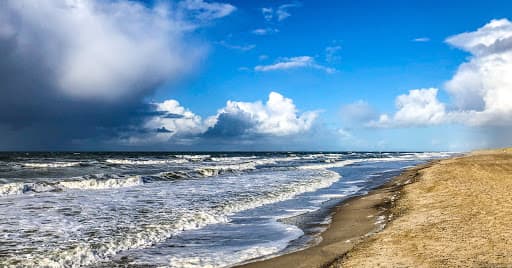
{"type": "Point", "coordinates": [230, 125]}
{"type": "Point", "coordinates": [163, 130]}
{"type": "Point", "coordinates": [76, 73]}
{"type": "Point", "coordinates": [173, 116]}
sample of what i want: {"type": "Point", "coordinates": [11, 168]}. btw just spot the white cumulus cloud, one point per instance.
{"type": "Point", "coordinates": [481, 89]}
{"type": "Point", "coordinates": [418, 107]}
{"type": "Point", "coordinates": [176, 119]}
{"type": "Point", "coordinates": [278, 116]}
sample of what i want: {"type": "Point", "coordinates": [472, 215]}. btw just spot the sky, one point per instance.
{"type": "Point", "coordinates": [196, 75]}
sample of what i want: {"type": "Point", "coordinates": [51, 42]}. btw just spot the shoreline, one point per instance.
{"type": "Point", "coordinates": [352, 221]}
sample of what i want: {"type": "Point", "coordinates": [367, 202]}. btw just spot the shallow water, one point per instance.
{"type": "Point", "coordinates": [174, 210]}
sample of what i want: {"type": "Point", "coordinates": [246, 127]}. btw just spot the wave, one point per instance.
{"type": "Point", "coordinates": [148, 235]}
{"type": "Point", "coordinates": [271, 161]}
{"type": "Point", "coordinates": [170, 175]}
{"type": "Point", "coordinates": [203, 171]}
{"type": "Point", "coordinates": [51, 164]}
{"type": "Point", "coordinates": [88, 254]}
{"type": "Point", "coordinates": [193, 157]}
{"type": "Point", "coordinates": [214, 259]}
{"type": "Point", "coordinates": [324, 178]}
{"type": "Point", "coordinates": [18, 188]}
{"type": "Point", "coordinates": [14, 188]}
{"type": "Point", "coordinates": [331, 165]}
{"type": "Point", "coordinates": [98, 184]}
{"type": "Point", "coordinates": [232, 158]}
{"type": "Point", "coordinates": [209, 171]}
{"type": "Point", "coordinates": [145, 162]}
{"type": "Point", "coordinates": [432, 155]}
{"type": "Point", "coordinates": [409, 157]}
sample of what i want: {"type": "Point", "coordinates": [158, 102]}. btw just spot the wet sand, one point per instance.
{"type": "Point", "coordinates": [352, 221]}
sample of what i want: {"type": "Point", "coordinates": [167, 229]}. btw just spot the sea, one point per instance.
{"type": "Point", "coordinates": [134, 209]}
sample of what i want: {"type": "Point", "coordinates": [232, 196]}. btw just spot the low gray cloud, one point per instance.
{"type": "Point", "coordinates": [231, 125]}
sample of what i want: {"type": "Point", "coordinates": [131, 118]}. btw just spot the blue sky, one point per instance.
{"type": "Point", "coordinates": [377, 59]}
{"type": "Point", "coordinates": [342, 65]}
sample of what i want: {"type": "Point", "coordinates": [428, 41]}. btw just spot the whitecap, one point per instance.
{"type": "Point", "coordinates": [51, 164]}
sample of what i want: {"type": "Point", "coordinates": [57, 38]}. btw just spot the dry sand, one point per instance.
{"type": "Point", "coordinates": [458, 214]}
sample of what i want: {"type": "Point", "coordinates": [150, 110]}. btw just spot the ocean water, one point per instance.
{"type": "Point", "coordinates": [174, 209]}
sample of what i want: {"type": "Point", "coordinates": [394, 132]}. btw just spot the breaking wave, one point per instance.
{"type": "Point", "coordinates": [98, 184]}
{"type": "Point", "coordinates": [51, 165]}
{"type": "Point", "coordinates": [331, 165]}
{"type": "Point", "coordinates": [18, 188]}
{"type": "Point", "coordinates": [209, 171]}
{"type": "Point", "coordinates": [145, 162]}
{"type": "Point", "coordinates": [150, 234]}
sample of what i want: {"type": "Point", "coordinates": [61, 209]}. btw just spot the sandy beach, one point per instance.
{"type": "Point", "coordinates": [458, 214]}
{"type": "Point", "coordinates": [352, 221]}
{"type": "Point", "coordinates": [449, 213]}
